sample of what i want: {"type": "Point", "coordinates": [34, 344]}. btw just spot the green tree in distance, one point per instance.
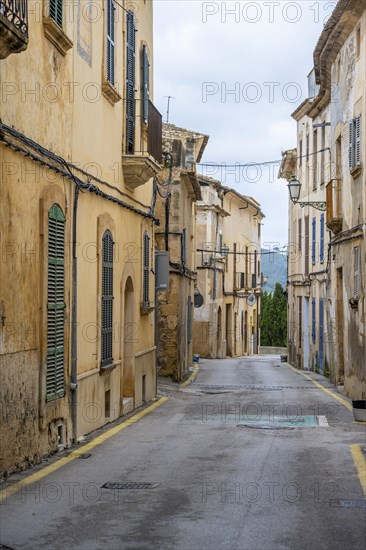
{"type": "Point", "coordinates": [274, 318]}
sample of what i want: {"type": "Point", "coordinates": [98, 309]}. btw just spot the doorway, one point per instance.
{"type": "Point", "coordinates": [339, 328]}
{"type": "Point", "coordinates": [129, 339]}
{"type": "Point", "coordinates": [219, 333]}
{"type": "Point", "coordinates": [229, 331]}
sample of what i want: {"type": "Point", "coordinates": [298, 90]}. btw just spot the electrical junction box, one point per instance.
{"type": "Point", "coordinates": [161, 270]}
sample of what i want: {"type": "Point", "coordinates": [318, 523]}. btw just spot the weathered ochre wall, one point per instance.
{"type": "Point", "coordinates": [57, 101]}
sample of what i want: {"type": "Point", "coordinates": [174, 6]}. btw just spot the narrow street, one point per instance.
{"type": "Point", "coordinates": [250, 455]}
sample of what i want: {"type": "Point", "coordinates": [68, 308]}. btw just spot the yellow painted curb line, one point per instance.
{"type": "Point", "coordinates": [321, 387]}
{"type": "Point", "coordinates": [191, 378]}
{"type": "Point", "coordinates": [32, 478]}
{"type": "Point", "coordinates": [360, 463]}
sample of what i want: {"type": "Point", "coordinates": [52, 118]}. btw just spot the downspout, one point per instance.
{"type": "Point", "coordinates": [73, 382]}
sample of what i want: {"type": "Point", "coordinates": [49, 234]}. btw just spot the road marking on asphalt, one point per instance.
{"type": "Point", "coordinates": [322, 422]}
{"type": "Point", "coordinates": [360, 463]}
{"type": "Point", "coordinates": [321, 387]}
{"type": "Point", "coordinates": [176, 418]}
{"type": "Point", "coordinates": [191, 378]}
{"type": "Point", "coordinates": [32, 478]}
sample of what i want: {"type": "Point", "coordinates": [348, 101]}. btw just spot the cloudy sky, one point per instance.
{"type": "Point", "coordinates": [261, 52]}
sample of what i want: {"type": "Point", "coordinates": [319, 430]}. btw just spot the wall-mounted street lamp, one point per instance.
{"type": "Point", "coordinates": [294, 188]}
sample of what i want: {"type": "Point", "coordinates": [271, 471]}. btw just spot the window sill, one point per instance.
{"type": "Point", "coordinates": [110, 92]}
{"type": "Point", "coordinates": [56, 35]}
{"type": "Point", "coordinates": [145, 309]}
{"type": "Point", "coordinates": [109, 368]}
{"type": "Point", "coordinates": [356, 171]}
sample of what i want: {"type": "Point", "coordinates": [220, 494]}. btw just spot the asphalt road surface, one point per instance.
{"type": "Point", "coordinates": [251, 455]}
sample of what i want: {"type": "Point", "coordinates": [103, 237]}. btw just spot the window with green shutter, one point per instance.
{"type": "Point", "coordinates": [56, 11]}
{"type": "Point", "coordinates": [55, 374]}
{"type": "Point", "coordinates": [356, 270]}
{"type": "Point", "coordinates": [146, 270]}
{"type": "Point", "coordinates": [110, 42]}
{"type": "Point", "coordinates": [130, 84]}
{"type": "Point", "coordinates": [107, 299]}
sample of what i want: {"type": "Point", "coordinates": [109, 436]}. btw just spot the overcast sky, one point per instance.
{"type": "Point", "coordinates": [263, 54]}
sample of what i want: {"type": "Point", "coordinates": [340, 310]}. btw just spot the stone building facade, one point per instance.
{"type": "Point", "coordinates": [79, 147]}
{"type": "Point", "coordinates": [175, 208]}
{"type": "Point", "coordinates": [229, 273]}
{"type": "Point", "coordinates": [337, 108]}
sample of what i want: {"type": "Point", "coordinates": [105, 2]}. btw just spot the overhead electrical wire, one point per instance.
{"type": "Point", "coordinates": [264, 163]}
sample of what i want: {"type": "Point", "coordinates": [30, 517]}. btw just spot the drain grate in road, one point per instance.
{"type": "Point", "coordinates": [130, 486]}
{"type": "Point", "coordinates": [348, 503]}
{"type": "Point", "coordinates": [223, 388]}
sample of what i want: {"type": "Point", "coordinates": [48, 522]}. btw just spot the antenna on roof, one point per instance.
{"type": "Point", "coordinates": [169, 97]}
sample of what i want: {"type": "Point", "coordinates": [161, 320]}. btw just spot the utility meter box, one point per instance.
{"type": "Point", "coordinates": [161, 270]}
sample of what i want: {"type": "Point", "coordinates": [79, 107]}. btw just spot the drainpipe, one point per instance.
{"type": "Point", "coordinates": [73, 382]}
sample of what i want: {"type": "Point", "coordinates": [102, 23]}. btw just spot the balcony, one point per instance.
{"type": "Point", "coordinates": [334, 205]}
{"type": "Point", "coordinates": [13, 27]}
{"type": "Point", "coordinates": [146, 159]}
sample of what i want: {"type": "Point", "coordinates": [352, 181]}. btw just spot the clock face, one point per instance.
{"type": "Point", "coordinates": [251, 300]}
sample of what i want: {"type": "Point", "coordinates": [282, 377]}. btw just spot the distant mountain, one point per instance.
{"type": "Point", "coordinates": [274, 265]}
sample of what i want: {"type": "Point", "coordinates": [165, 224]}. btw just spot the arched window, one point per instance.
{"type": "Point", "coordinates": [107, 298]}
{"type": "Point", "coordinates": [55, 377]}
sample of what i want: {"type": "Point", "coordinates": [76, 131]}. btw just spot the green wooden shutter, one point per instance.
{"type": "Point", "coordinates": [107, 299]}
{"type": "Point", "coordinates": [55, 376]}
{"type": "Point", "coordinates": [351, 148]}
{"type": "Point", "coordinates": [358, 140]}
{"type": "Point", "coordinates": [146, 270]}
{"type": "Point", "coordinates": [130, 84]}
{"type": "Point", "coordinates": [145, 85]}
{"type": "Point", "coordinates": [56, 11]}
{"type": "Point", "coordinates": [110, 42]}
{"type": "Point", "coordinates": [356, 270]}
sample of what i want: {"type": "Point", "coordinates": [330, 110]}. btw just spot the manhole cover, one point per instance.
{"type": "Point", "coordinates": [129, 485]}
{"type": "Point", "coordinates": [348, 503]}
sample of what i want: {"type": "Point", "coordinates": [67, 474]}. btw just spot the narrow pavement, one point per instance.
{"type": "Point", "coordinates": [251, 455]}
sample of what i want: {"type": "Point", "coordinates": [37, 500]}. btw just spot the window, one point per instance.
{"type": "Point", "coordinates": [313, 320]}
{"type": "Point", "coordinates": [146, 270]}
{"type": "Point", "coordinates": [130, 84]}
{"type": "Point", "coordinates": [358, 41]}
{"type": "Point", "coordinates": [300, 152]}
{"type": "Point", "coordinates": [354, 147]}
{"type": "Point", "coordinates": [315, 159]}
{"type": "Point", "coordinates": [300, 233]}
{"type": "Point", "coordinates": [307, 147]}
{"type": "Point", "coordinates": [110, 42]}
{"type": "Point", "coordinates": [107, 298]}
{"type": "Point", "coordinates": [183, 252]}
{"type": "Point", "coordinates": [55, 376]}
{"type": "Point", "coordinates": [356, 269]}
{"type": "Point", "coordinates": [313, 241]}
{"type": "Point", "coordinates": [322, 228]}
{"type": "Point", "coordinates": [145, 85]}
{"type": "Point", "coordinates": [300, 321]}
{"type": "Point", "coordinates": [56, 11]}
{"type": "Point", "coordinates": [322, 158]}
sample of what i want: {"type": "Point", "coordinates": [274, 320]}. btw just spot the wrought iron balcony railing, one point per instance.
{"type": "Point", "coordinates": [13, 26]}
